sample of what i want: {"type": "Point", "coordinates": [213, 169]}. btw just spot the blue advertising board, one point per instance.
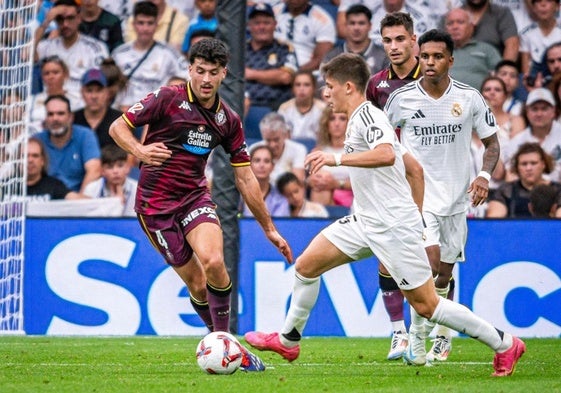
{"type": "Point", "coordinates": [102, 277]}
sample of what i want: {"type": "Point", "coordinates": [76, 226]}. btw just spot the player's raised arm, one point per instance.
{"type": "Point", "coordinates": [249, 188]}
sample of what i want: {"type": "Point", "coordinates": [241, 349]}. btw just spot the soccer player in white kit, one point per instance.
{"type": "Point", "coordinates": [386, 222]}
{"type": "Point", "coordinates": [436, 116]}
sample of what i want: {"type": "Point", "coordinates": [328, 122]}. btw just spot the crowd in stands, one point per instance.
{"type": "Point", "coordinates": [94, 59]}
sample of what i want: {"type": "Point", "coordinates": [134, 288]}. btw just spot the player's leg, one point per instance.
{"type": "Point", "coordinates": [206, 241]}
{"type": "Point", "coordinates": [167, 237]}
{"type": "Point", "coordinates": [194, 277]}
{"type": "Point", "coordinates": [393, 302]}
{"type": "Point", "coordinates": [322, 254]}
{"type": "Point", "coordinates": [453, 236]}
{"type": "Point", "coordinates": [427, 304]}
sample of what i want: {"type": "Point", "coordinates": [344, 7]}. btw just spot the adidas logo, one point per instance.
{"type": "Point", "coordinates": [185, 105]}
{"type": "Point", "coordinates": [382, 85]}
{"type": "Point", "coordinates": [403, 282]}
{"type": "Point", "coordinates": [418, 115]}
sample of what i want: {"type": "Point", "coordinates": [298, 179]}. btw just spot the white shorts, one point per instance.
{"type": "Point", "coordinates": [400, 249]}
{"type": "Point", "coordinates": [448, 232]}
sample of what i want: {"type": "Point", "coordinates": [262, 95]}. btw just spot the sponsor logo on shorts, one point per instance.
{"type": "Point", "coordinates": [208, 211]}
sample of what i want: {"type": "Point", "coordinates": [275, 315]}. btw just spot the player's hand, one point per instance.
{"type": "Point", "coordinates": [281, 244]}
{"type": "Point", "coordinates": [316, 159]}
{"type": "Point", "coordinates": [154, 153]}
{"type": "Point", "coordinates": [479, 191]}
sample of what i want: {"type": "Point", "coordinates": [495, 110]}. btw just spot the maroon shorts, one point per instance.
{"type": "Point", "coordinates": [167, 232]}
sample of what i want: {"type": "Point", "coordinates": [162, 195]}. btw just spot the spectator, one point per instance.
{"type": "Point", "coordinates": [494, 25]}
{"type": "Point", "coordinates": [54, 74]}
{"type": "Point", "coordinates": [295, 192]}
{"type": "Point", "coordinates": [205, 20]}
{"type": "Point", "coordinates": [41, 186]}
{"type": "Point", "coordinates": [176, 80]}
{"type": "Point", "coordinates": [73, 150]}
{"type": "Point", "coordinates": [114, 180]}
{"type": "Point", "coordinates": [302, 113]}
{"type": "Point", "coordinates": [171, 25]}
{"type": "Point", "coordinates": [97, 114]}
{"type": "Point", "coordinates": [269, 64]}
{"type": "Point", "coordinates": [116, 81]}
{"type": "Point", "coordinates": [544, 201]}
{"type": "Point", "coordinates": [308, 28]}
{"type": "Point", "coordinates": [288, 155]}
{"type": "Point", "coordinates": [509, 72]}
{"type": "Point", "coordinates": [542, 128]}
{"type": "Point", "coordinates": [493, 90]}
{"type": "Point", "coordinates": [358, 23]}
{"type": "Point", "coordinates": [331, 185]}
{"type": "Point", "coordinates": [100, 24]}
{"type": "Point", "coordinates": [512, 199]}
{"type": "Point", "coordinates": [473, 60]}
{"type": "Point", "coordinates": [147, 63]}
{"type": "Point", "coordinates": [262, 166]}
{"type": "Point", "coordinates": [78, 51]}
{"type": "Point", "coordinates": [535, 38]}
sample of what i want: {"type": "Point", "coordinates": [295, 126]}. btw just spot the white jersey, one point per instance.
{"type": "Point", "coordinates": [438, 133]}
{"type": "Point", "coordinates": [533, 41]}
{"type": "Point", "coordinates": [302, 125]}
{"type": "Point", "coordinates": [87, 52]}
{"type": "Point", "coordinates": [98, 189]}
{"type": "Point", "coordinates": [162, 63]}
{"type": "Point", "coordinates": [305, 30]}
{"type": "Point", "coordinates": [381, 195]}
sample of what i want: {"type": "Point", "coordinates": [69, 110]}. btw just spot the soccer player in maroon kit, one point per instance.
{"type": "Point", "coordinates": [173, 201]}
{"type": "Point", "coordinates": [400, 43]}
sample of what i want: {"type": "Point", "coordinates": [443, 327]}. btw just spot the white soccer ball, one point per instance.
{"type": "Point", "coordinates": [219, 353]}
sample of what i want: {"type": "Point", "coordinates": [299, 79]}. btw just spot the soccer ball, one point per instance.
{"type": "Point", "coordinates": [219, 353]}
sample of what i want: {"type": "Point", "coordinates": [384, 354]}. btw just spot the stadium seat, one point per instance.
{"type": "Point", "coordinates": [252, 119]}
{"type": "Point", "coordinates": [337, 211]}
{"type": "Point", "coordinates": [310, 143]}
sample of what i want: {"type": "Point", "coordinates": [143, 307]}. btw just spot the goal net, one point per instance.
{"type": "Point", "coordinates": [16, 61]}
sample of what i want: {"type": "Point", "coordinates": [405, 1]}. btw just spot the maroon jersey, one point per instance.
{"type": "Point", "coordinates": [190, 131]}
{"type": "Point", "coordinates": [383, 83]}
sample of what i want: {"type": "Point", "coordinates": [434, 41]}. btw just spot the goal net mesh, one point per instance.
{"type": "Point", "coordinates": [16, 62]}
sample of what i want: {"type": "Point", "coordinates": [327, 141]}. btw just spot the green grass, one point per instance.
{"type": "Point", "coordinates": [156, 364]}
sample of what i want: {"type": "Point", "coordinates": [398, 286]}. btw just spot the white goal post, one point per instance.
{"type": "Point", "coordinates": [18, 21]}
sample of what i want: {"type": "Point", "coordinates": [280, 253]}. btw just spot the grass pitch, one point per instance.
{"type": "Point", "coordinates": [159, 364]}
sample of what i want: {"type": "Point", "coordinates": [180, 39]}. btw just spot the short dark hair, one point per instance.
{"type": "Point", "coordinates": [285, 179]}
{"type": "Point", "coordinates": [507, 63]}
{"type": "Point", "coordinates": [145, 8]}
{"type": "Point", "coordinates": [542, 199]}
{"type": "Point", "coordinates": [398, 19]}
{"type": "Point", "coordinates": [60, 97]}
{"type": "Point", "coordinates": [435, 35]}
{"type": "Point", "coordinates": [70, 3]}
{"type": "Point", "coordinates": [359, 9]}
{"type": "Point", "coordinates": [348, 67]}
{"type": "Point", "coordinates": [210, 49]}
{"type": "Point", "coordinates": [111, 154]}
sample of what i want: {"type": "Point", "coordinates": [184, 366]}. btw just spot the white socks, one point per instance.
{"type": "Point", "coordinates": [463, 320]}
{"type": "Point", "coordinates": [304, 297]}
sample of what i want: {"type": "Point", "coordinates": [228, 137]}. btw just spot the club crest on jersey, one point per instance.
{"type": "Point", "coordinates": [220, 117]}
{"type": "Point", "coordinates": [456, 110]}
{"type": "Point", "coordinates": [135, 108]}
{"type": "Point", "coordinates": [272, 59]}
